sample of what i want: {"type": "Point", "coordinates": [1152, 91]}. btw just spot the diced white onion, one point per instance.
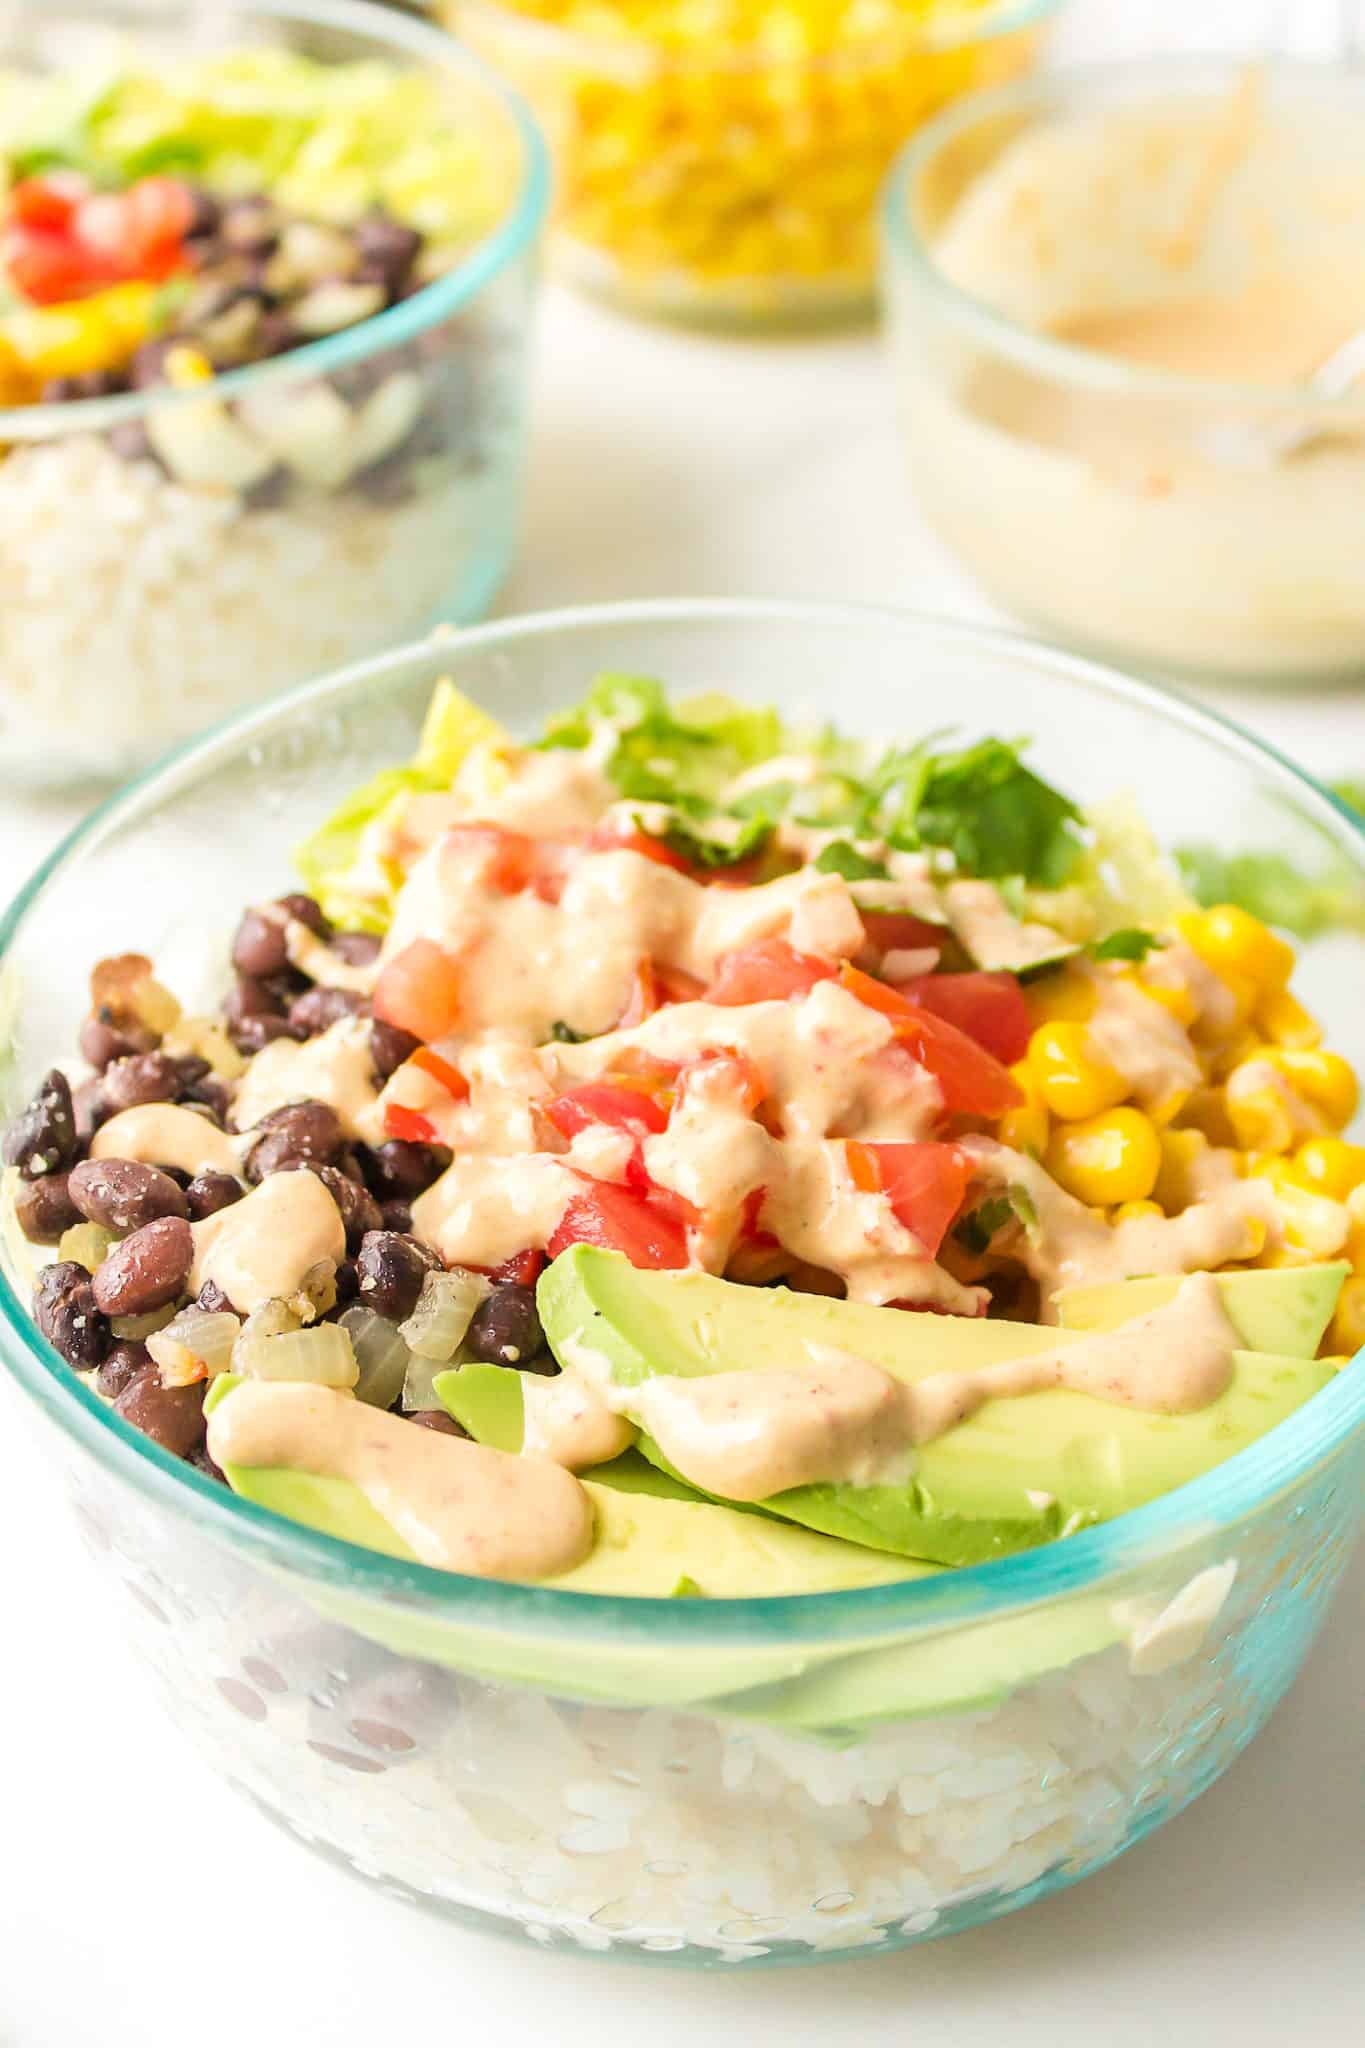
{"type": "Point", "coordinates": [381, 1356]}
{"type": "Point", "coordinates": [322, 1356]}
{"type": "Point", "coordinates": [135, 1328]}
{"type": "Point", "coordinates": [87, 1243]}
{"type": "Point", "coordinates": [197, 1344]}
{"type": "Point", "coordinates": [436, 1327]}
{"type": "Point", "coordinates": [317, 1292]}
{"type": "Point", "coordinates": [272, 1318]}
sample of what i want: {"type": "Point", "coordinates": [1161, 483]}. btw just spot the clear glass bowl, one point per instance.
{"type": "Point", "coordinates": [691, 1781]}
{"type": "Point", "coordinates": [727, 184]}
{"type": "Point", "coordinates": [1136, 514]}
{"type": "Point", "coordinates": [149, 592]}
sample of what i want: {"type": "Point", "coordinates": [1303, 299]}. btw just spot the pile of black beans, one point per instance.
{"type": "Point", "coordinates": [150, 1209]}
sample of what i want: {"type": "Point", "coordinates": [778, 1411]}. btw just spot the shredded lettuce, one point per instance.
{"type": "Point", "coordinates": [682, 754]}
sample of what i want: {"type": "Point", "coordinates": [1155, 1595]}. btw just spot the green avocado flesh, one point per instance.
{"type": "Point", "coordinates": [1281, 1310]}
{"type": "Point", "coordinates": [649, 1536]}
{"type": "Point", "coordinates": [1020, 1472]}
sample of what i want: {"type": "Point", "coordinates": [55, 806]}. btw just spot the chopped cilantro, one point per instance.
{"type": "Point", "coordinates": [711, 849]}
{"type": "Point", "coordinates": [997, 817]}
{"type": "Point", "coordinates": [687, 1589]}
{"type": "Point", "coordinates": [1130, 944]}
{"type": "Point", "coordinates": [839, 858]}
{"type": "Point", "coordinates": [976, 1230]}
{"type": "Point", "coordinates": [564, 1034]}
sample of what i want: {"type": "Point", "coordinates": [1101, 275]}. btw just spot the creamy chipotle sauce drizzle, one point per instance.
{"type": "Point", "coordinates": [260, 1248]}
{"type": "Point", "coordinates": [457, 1505]}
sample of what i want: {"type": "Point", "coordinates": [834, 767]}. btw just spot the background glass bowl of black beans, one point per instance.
{"type": "Point", "coordinates": [688, 1780]}
{"type": "Point", "coordinates": [267, 278]}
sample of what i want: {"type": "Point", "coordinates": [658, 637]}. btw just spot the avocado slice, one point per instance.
{"type": "Point", "coordinates": [647, 1539]}
{"type": "Point", "coordinates": [1020, 1472]}
{"type": "Point", "coordinates": [1284, 1310]}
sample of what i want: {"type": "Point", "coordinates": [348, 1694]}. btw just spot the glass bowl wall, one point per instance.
{"type": "Point", "coordinates": [691, 1781]}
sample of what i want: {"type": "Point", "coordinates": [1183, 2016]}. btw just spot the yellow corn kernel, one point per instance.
{"type": "Point", "coordinates": [1243, 1045]}
{"type": "Point", "coordinates": [1061, 997]}
{"type": "Point", "coordinates": [1282, 1173]}
{"type": "Point", "coordinates": [1282, 1019]}
{"type": "Point", "coordinates": [1331, 1167]}
{"type": "Point", "coordinates": [1346, 1332]}
{"type": "Point", "coordinates": [1264, 1109]}
{"type": "Point", "coordinates": [1324, 1079]}
{"type": "Point", "coordinates": [1110, 1158]}
{"type": "Point", "coordinates": [1176, 1184]}
{"type": "Point", "coordinates": [186, 366]}
{"type": "Point", "coordinates": [1134, 1212]}
{"type": "Point", "coordinates": [1238, 946]}
{"type": "Point", "coordinates": [1310, 1222]}
{"type": "Point", "coordinates": [1172, 997]}
{"type": "Point", "coordinates": [1074, 1080]}
{"type": "Point", "coordinates": [1025, 1129]}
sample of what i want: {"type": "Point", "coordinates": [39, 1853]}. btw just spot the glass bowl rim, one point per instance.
{"type": "Point", "coordinates": [521, 220]}
{"type": "Point", "coordinates": [1063, 90]}
{"type": "Point", "coordinates": [1240, 1486]}
{"type": "Point", "coordinates": [963, 27]}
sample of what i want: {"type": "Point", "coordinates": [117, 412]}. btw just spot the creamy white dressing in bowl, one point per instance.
{"type": "Point", "coordinates": [689, 1780]}
{"type": "Point", "coordinates": [1106, 293]}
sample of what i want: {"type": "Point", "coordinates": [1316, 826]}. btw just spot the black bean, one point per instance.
{"type": "Point", "coordinates": [319, 1008]}
{"type": "Point", "coordinates": [209, 1094]}
{"type": "Point", "coordinates": [43, 1208]}
{"type": "Point", "coordinates": [171, 1416]}
{"type": "Point", "coordinates": [85, 384]}
{"type": "Point", "coordinates": [122, 1194]}
{"type": "Point", "coordinates": [396, 1216]}
{"type": "Point", "coordinates": [392, 1270]}
{"type": "Point", "coordinates": [43, 1135]}
{"type": "Point", "coordinates": [124, 1362]}
{"type": "Point", "coordinates": [306, 910]}
{"type": "Point", "coordinates": [90, 1107]}
{"type": "Point", "coordinates": [146, 1077]}
{"type": "Point", "coordinates": [103, 1039]}
{"type": "Point", "coordinates": [130, 442]}
{"type": "Point", "coordinates": [357, 949]}
{"type": "Point", "coordinates": [390, 1045]}
{"type": "Point", "coordinates": [214, 1298]}
{"type": "Point", "coordinates": [382, 239]}
{"type": "Point", "coordinates": [300, 1134]}
{"type": "Point", "coordinates": [259, 947]}
{"type": "Point", "coordinates": [277, 334]}
{"type": "Point", "coordinates": [253, 1034]}
{"type": "Point", "coordinates": [66, 1312]}
{"type": "Point", "coordinates": [147, 1270]}
{"type": "Point", "coordinates": [202, 1461]}
{"type": "Point", "coordinates": [505, 1328]}
{"type": "Point", "coordinates": [193, 1069]}
{"type": "Point", "coordinates": [437, 1419]}
{"type": "Point", "coordinates": [359, 1209]}
{"type": "Point", "coordinates": [347, 1283]}
{"type": "Point", "coordinates": [209, 1192]}
{"type": "Point", "coordinates": [398, 1171]}
{"type": "Point", "coordinates": [206, 215]}
{"type": "Point", "coordinates": [251, 225]}
{"type": "Point", "coordinates": [148, 366]}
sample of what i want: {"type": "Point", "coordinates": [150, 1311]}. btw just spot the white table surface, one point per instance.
{"type": "Point", "coordinates": [142, 1903]}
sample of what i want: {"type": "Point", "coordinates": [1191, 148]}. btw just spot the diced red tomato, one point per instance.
{"type": "Point", "coordinates": [48, 200]}
{"type": "Point", "coordinates": [419, 990]}
{"type": "Point", "coordinates": [673, 985]}
{"type": "Point", "coordinates": [620, 1220]}
{"type": "Point", "coordinates": [751, 1231]}
{"type": "Point", "coordinates": [664, 1200]}
{"type": "Point", "coordinates": [730, 1071]}
{"type": "Point", "coordinates": [159, 211]}
{"type": "Point", "coordinates": [441, 1070]}
{"type": "Point", "coordinates": [971, 1081]}
{"type": "Point", "coordinates": [645, 1068]}
{"type": "Point", "coordinates": [989, 1007]}
{"type": "Point", "coordinates": [629, 839]}
{"type": "Point", "coordinates": [896, 931]}
{"type": "Point", "coordinates": [643, 999]}
{"type": "Point", "coordinates": [924, 1184]}
{"type": "Point", "coordinates": [621, 1106]}
{"type": "Point", "coordinates": [771, 970]}
{"type": "Point", "coordinates": [47, 266]}
{"type": "Point", "coordinates": [408, 1124]}
{"type": "Point", "coordinates": [523, 1269]}
{"type": "Point", "coordinates": [508, 858]}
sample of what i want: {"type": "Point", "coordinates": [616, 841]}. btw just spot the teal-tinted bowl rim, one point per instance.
{"type": "Point", "coordinates": [1079, 1563]}
{"type": "Point", "coordinates": [518, 228]}
{"type": "Point", "coordinates": [1063, 92]}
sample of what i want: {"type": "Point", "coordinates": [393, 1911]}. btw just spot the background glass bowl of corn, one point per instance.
{"type": "Point", "coordinates": [718, 161]}
{"type": "Point", "coordinates": [253, 511]}
{"type": "Point", "coordinates": [712, 1782]}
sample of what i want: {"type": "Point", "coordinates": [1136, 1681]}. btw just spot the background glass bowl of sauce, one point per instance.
{"type": "Point", "coordinates": [1106, 292]}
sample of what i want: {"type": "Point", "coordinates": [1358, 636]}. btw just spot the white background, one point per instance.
{"type": "Point", "coordinates": [141, 1903]}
